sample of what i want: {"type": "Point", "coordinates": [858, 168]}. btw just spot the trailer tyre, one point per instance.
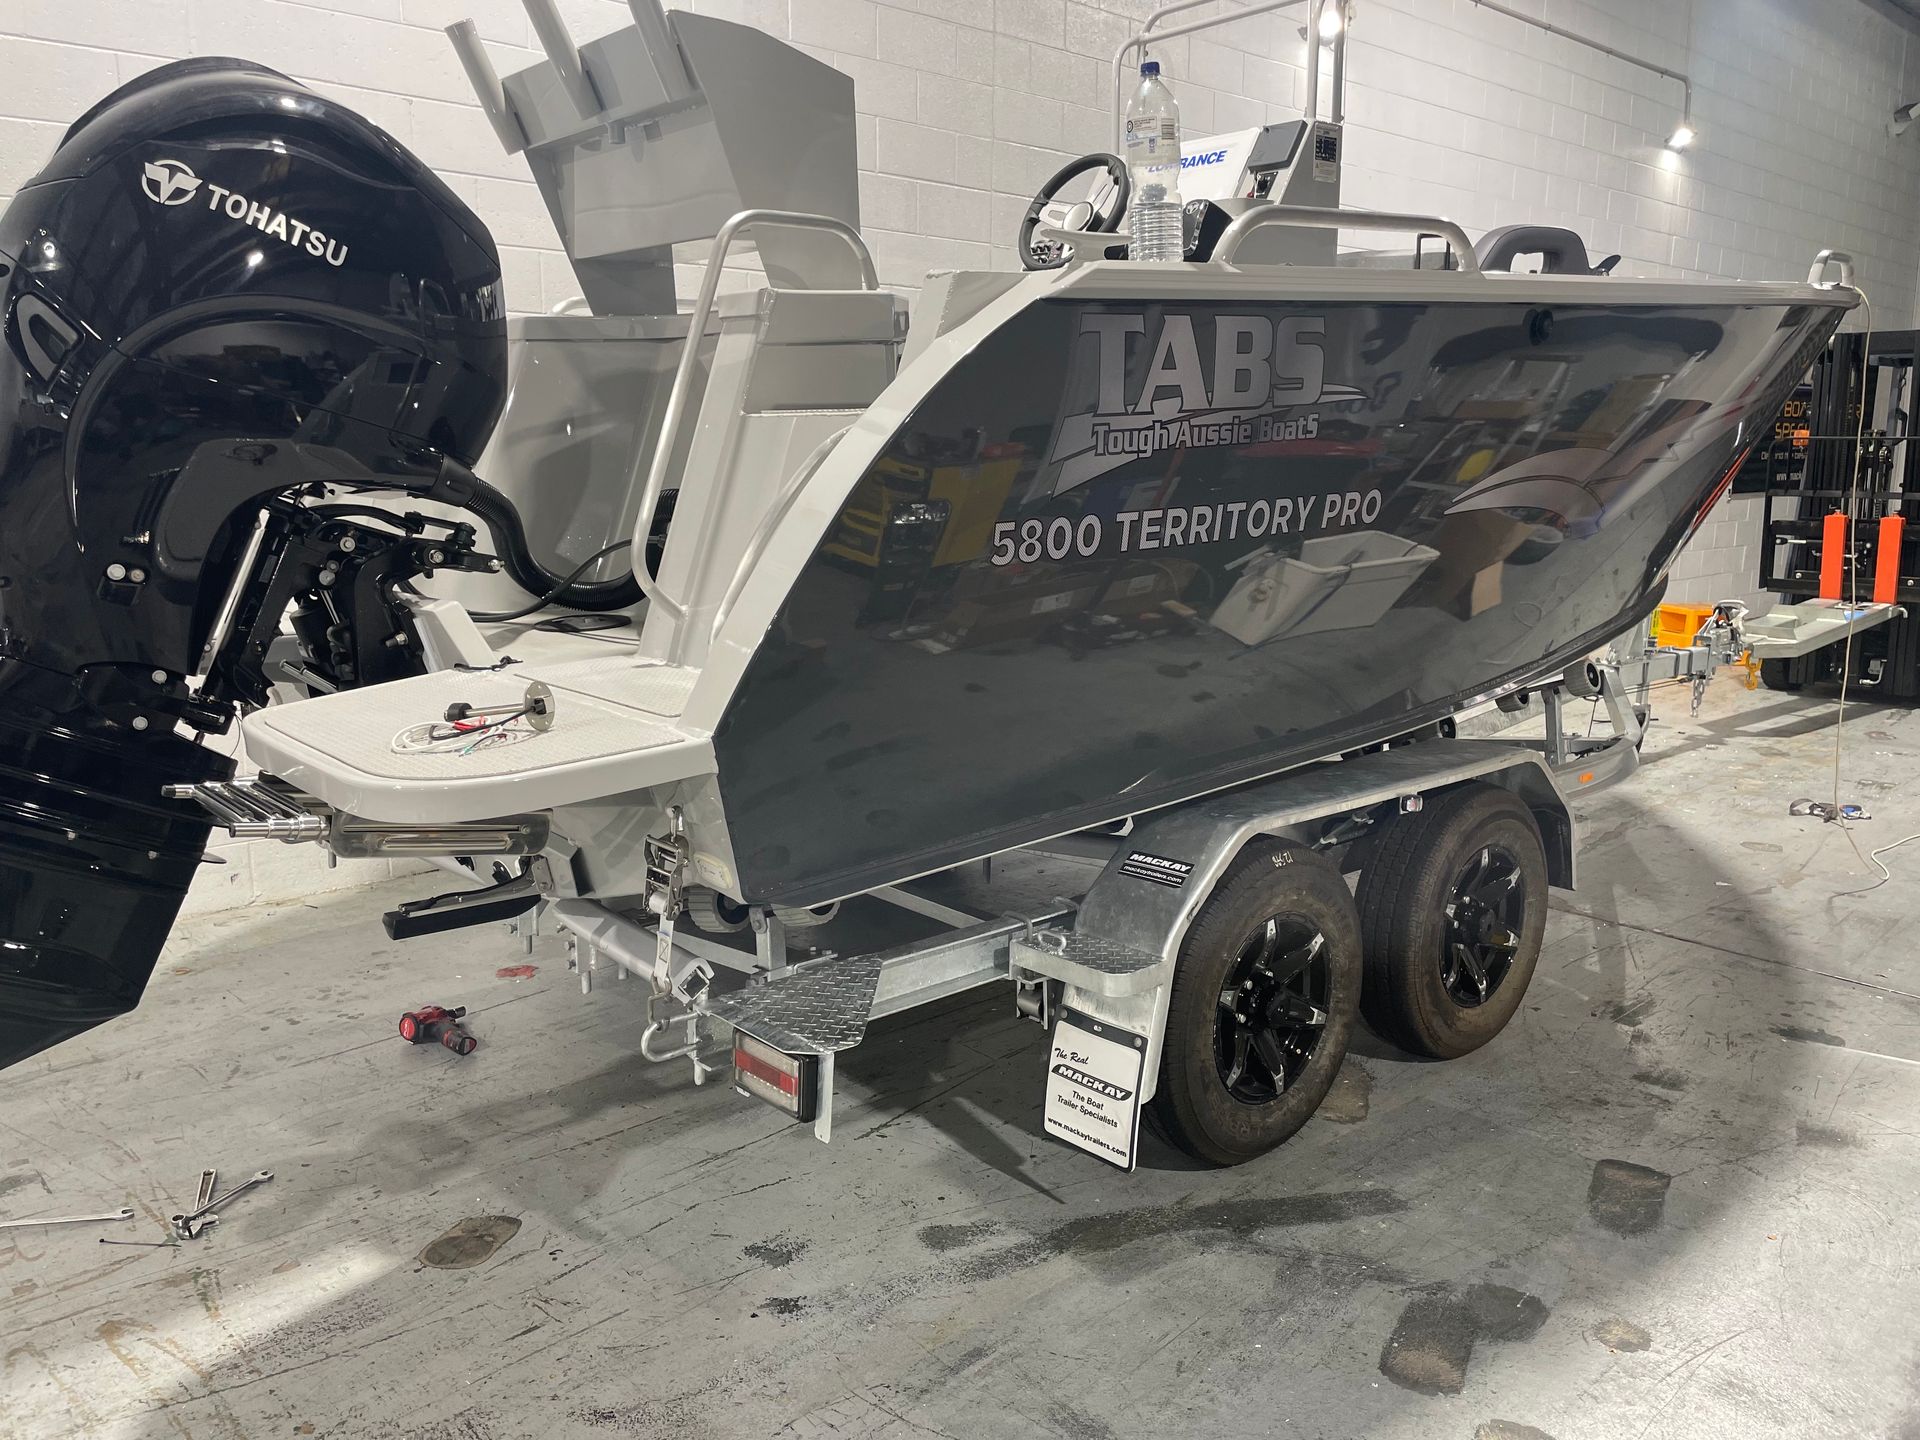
{"type": "Point", "coordinates": [1453, 905]}
{"type": "Point", "coordinates": [1264, 999]}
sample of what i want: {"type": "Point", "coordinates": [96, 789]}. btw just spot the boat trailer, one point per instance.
{"type": "Point", "coordinates": [739, 988]}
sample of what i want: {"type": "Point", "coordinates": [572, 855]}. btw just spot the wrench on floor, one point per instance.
{"type": "Point", "coordinates": [126, 1214]}
{"type": "Point", "coordinates": [207, 1179]}
{"type": "Point", "coordinates": [183, 1224]}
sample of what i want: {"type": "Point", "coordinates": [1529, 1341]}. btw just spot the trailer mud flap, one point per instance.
{"type": "Point", "coordinates": [93, 867]}
{"type": "Point", "coordinates": [1093, 1087]}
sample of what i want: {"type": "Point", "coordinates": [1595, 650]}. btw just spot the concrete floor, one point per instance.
{"type": "Point", "coordinates": [1675, 1199]}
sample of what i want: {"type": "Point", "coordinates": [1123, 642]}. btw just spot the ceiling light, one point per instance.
{"type": "Point", "coordinates": [1681, 137]}
{"type": "Point", "coordinates": [1330, 21]}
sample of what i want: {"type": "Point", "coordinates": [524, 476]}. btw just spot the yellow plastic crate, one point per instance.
{"type": "Point", "coordinates": [1678, 624]}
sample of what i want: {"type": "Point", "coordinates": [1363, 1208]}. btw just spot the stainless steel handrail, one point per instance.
{"type": "Point", "coordinates": [769, 523]}
{"type": "Point", "coordinates": [1139, 40]}
{"type": "Point", "coordinates": [675, 414]}
{"type": "Point", "coordinates": [1681, 76]}
{"type": "Point", "coordinates": [1816, 275]}
{"type": "Point", "coordinates": [1313, 217]}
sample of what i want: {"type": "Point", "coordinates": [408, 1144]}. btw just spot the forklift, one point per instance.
{"type": "Point", "coordinates": [1836, 550]}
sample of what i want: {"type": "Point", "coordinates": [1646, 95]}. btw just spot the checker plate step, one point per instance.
{"type": "Point", "coordinates": [815, 1010]}
{"type": "Point", "coordinates": [1089, 962]}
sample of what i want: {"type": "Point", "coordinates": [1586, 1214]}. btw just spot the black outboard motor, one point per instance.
{"type": "Point", "coordinates": [223, 293]}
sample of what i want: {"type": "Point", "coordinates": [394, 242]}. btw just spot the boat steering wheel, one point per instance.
{"type": "Point", "coordinates": [1100, 211]}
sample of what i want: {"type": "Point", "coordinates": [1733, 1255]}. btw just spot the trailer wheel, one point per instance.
{"type": "Point", "coordinates": [1452, 909]}
{"type": "Point", "coordinates": [1264, 998]}
{"type": "Point", "coordinates": [1778, 675]}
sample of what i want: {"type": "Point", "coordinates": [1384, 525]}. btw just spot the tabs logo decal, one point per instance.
{"type": "Point", "coordinates": [169, 182]}
{"type": "Point", "coordinates": [1194, 389]}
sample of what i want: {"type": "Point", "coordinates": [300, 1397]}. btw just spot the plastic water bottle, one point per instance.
{"type": "Point", "coordinates": [1153, 165]}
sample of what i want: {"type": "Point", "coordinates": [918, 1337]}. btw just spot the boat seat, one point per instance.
{"type": "Point", "coordinates": [617, 728]}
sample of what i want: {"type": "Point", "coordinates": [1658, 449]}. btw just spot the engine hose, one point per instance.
{"type": "Point", "coordinates": [540, 602]}
{"type": "Point", "coordinates": [510, 539]}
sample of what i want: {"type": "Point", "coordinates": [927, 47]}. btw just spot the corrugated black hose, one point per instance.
{"type": "Point", "coordinates": [460, 486]}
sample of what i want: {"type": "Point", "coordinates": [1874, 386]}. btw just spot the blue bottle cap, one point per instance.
{"type": "Point", "coordinates": [1150, 67]}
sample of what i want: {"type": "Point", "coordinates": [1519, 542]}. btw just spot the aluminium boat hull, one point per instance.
{"type": "Point", "coordinates": [1242, 535]}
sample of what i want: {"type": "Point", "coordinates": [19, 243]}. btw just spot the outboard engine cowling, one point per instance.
{"type": "Point", "coordinates": [223, 292]}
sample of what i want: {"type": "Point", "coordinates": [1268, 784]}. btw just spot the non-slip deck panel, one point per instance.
{"type": "Point", "coordinates": [614, 731]}
{"type": "Point", "coordinates": [657, 689]}
{"type": "Point", "coordinates": [358, 728]}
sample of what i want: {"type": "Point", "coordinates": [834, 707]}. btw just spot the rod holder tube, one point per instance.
{"type": "Point", "coordinates": [656, 32]}
{"type": "Point", "coordinates": [487, 88]}
{"type": "Point", "coordinates": [551, 31]}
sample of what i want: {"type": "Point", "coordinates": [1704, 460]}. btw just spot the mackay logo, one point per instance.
{"type": "Point", "coordinates": [169, 182]}
{"type": "Point", "coordinates": [1106, 1088]}
{"type": "Point", "coordinates": [1256, 378]}
{"type": "Point", "coordinates": [172, 182]}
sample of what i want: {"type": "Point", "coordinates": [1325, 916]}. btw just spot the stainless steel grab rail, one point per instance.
{"type": "Point", "coordinates": [675, 414]}
{"type": "Point", "coordinates": [1146, 35]}
{"type": "Point", "coordinates": [1816, 274]}
{"type": "Point", "coordinates": [1313, 217]}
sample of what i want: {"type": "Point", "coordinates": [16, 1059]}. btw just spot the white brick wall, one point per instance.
{"type": "Point", "coordinates": [965, 105]}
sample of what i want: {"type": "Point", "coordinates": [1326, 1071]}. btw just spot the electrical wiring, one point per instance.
{"type": "Point", "coordinates": [500, 617]}
{"type": "Point", "coordinates": [441, 737]}
{"type": "Point", "coordinates": [1873, 858]}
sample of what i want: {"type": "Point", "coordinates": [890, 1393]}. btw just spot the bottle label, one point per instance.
{"type": "Point", "coordinates": [1156, 138]}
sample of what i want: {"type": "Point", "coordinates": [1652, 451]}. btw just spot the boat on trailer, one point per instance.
{"type": "Point", "coordinates": [1186, 569]}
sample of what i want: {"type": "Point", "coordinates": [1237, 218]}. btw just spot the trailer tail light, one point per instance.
{"type": "Point", "coordinates": [786, 1082]}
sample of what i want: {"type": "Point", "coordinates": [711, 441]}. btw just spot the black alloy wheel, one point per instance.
{"type": "Point", "coordinates": [1264, 999]}
{"type": "Point", "coordinates": [1484, 915]}
{"type": "Point", "coordinates": [1453, 909]}
{"type": "Point", "coordinates": [1273, 1009]}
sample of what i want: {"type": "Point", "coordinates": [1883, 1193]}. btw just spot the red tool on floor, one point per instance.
{"type": "Point", "coordinates": [435, 1022]}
